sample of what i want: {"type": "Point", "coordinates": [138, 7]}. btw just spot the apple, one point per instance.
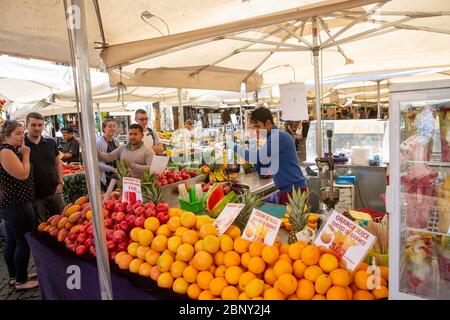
{"type": "Point", "coordinates": [130, 220]}
{"type": "Point", "coordinates": [151, 212]}
{"type": "Point", "coordinates": [226, 189]}
{"type": "Point", "coordinates": [71, 246]}
{"type": "Point", "coordinates": [124, 226]}
{"type": "Point", "coordinates": [158, 183]}
{"type": "Point", "coordinates": [92, 251]}
{"type": "Point", "coordinates": [90, 230]}
{"type": "Point", "coordinates": [119, 236]}
{"type": "Point", "coordinates": [81, 249]}
{"type": "Point", "coordinates": [193, 173]}
{"type": "Point", "coordinates": [111, 245]}
{"type": "Point", "coordinates": [82, 237]}
{"type": "Point", "coordinates": [110, 205]}
{"type": "Point", "coordinates": [112, 255]}
{"type": "Point", "coordinates": [109, 234]}
{"type": "Point", "coordinates": [164, 182]}
{"type": "Point", "coordinates": [120, 216]}
{"type": "Point", "coordinates": [139, 222]}
{"type": "Point", "coordinates": [149, 205]}
{"type": "Point", "coordinates": [170, 180]}
{"type": "Point", "coordinates": [89, 242]}
{"type": "Point", "coordinates": [162, 206]}
{"type": "Point", "coordinates": [72, 236]}
{"type": "Point", "coordinates": [83, 228]}
{"type": "Point", "coordinates": [122, 246]}
{"type": "Point", "coordinates": [139, 211]}
{"type": "Point", "coordinates": [163, 217]}
{"type": "Point", "coordinates": [109, 223]}
{"type": "Point", "coordinates": [120, 207]}
{"type": "Point", "coordinates": [129, 208]}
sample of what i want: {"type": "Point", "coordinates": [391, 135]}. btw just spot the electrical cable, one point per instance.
{"type": "Point", "coordinates": [359, 191]}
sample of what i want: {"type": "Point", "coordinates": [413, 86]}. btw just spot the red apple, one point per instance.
{"type": "Point", "coordinates": [149, 205]}
{"type": "Point", "coordinates": [163, 217]}
{"type": "Point", "coordinates": [82, 237]}
{"type": "Point", "coordinates": [122, 246]}
{"type": "Point", "coordinates": [139, 222]}
{"type": "Point", "coordinates": [120, 216]}
{"type": "Point", "coordinates": [162, 206]}
{"type": "Point", "coordinates": [111, 245]}
{"type": "Point", "coordinates": [119, 236]}
{"type": "Point", "coordinates": [90, 230]}
{"type": "Point", "coordinates": [170, 180]}
{"type": "Point", "coordinates": [158, 183]}
{"type": "Point", "coordinates": [124, 226]}
{"type": "Point", "coordinates": [72, 236]}
{"type": "Point", "coordinates": [129, 208]}
{"type": "Point", "coordinates": [109, 223]}
{"type": "Point", "coordinates": [92, 251]}
{"type": "Point", "coordinates": [110, 205]}
{"type": "Point", "coordinates": [151, 212]}
{"type": "Point", "coordinates": [82, 228]}
{"type": "Point", "coordinates": [130, 220]}
{"type": "Point", "coordinates": [120, 207]}
{"type": "Point", "coordinates": [81, 249]}
{"type": "Point", "coordinates": [139, 211]}
{"type": "Point", "coordinates": [89, 242]}
{"type": "Point", "coordinates": [109, 234]}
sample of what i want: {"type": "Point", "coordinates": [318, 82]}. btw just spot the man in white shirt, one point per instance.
{"type": "Point", "coordinates": [151, 138]}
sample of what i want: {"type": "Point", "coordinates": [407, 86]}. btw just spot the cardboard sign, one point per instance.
{"type": "Point", "coordinates": [131, 190]}
{"type": "Point", "coordinates": [159, 164]}
{"type": "Point", "coordinates": [227, 216]}
{"type": "Point", "coordinates": [345, 238]}
{"type": "Point", "coordinates": [294, 105]}
{"type": "Point", "coordinates": [261, 227]}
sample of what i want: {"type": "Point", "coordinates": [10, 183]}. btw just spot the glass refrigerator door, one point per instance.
{"type": "Point", "coordinates": [424, 198]}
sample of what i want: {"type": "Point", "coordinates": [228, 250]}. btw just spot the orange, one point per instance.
{"type": "Point", "coordinates": [201, 220]}
{"type": "Point", "coordinates": [198, 246]}
{"type": "Point", "coordinates": [287, 284]}
{"type": "Point", "coordinates": [142, 251]}
{"type": "Point", "coordinates": [120, 254]}
{"type": "Point", "coordinates": [175, 212]}
{"type": "Point", "coordinates": [217, 285]}
{"type": "Point", "coordinates": [164, 262]}
{"type": "Point", "coordinates": [134, 233]}
{"type": "Point", "coordinates": [124, 261]}
{"type": "Point", "coordinates": [193, 291]}
{"type": "Point", "coordinates": [292, 297]}
{"type": "Point", "coordinates": [312, 273]}
{"type": "Point", "coordinates": [219, 257]}
{"type": "Point", "coordinates": [256, 265]}
{"type": "Point", "coordinates": [233, 232]}
{"type": "Point", "coordinates": [245, 278]}
{"type": "Point", "coordinates": [310, 255]}
{"type": "Point", "coordinates": [328, 262]}
{"type": "Point", "coordinates": [159, 243]}
{"type": "Point", "coordinates": [305, 289]}
{"type": "Point", "coordinates": [165, 280]}
{"type": "Point", "coordinates": [349, 293]}
{"type": "Point", "coordinates": [164, 231]}
{"type": "Point", "coordinates": [270, 254]}
{"type": "Point", "coordinates": [207, 229]}
{"type": "Point", "coordinates": [362, 267]}
{"type": "Point", "coordinates": [174, 223]}
{"type": "Point", "coordinates": [168, 252]}
{"type": "Point", "coordinates": [211, 244]}
{"type": "Point", "coordinates": [255, 249]}
{"type": "Point", "coordinates": [145, 269]}
{"type": "Point", "coordinates": [285, 256]}
{"type": "Point", "coordinates": [190, 236]}
{"type": "Point", "coordinates": [185, 252]}
{"type": "Point", "coordinates": [241, 245]}
{"type": "Point", "coordinates": [361, 280]}
{"type": "Point", "coordinates": [190, 274]}
{"type": "Point", "coordinates": [254, 288]}
{"type": "Point", "coordinates": [188, 219]}
{"type": "Point", "coordinates": [269, 276]}
{"type": "Point", "coordinates": [284, 248]}
{"type": "Point", "coordinates": [319, 297]}
{"type": "Point", "coordinates": [380, 293]}
{"type": "Point", "coordinates": [226, 243]}
{"type": "Point", "coordinates": [273, 294]}
{"type": "Point", "coordinates": [145, 237]}
{"type": "Point", "coordinates": [340, 277]}
{"type": "Point", "coordinates": [220, 271]}
{"type": "Point", "coordinates": [202, 260]}
{"type": "Point", "coordinates": [212, 269]}
{"type": "Point", "coordinates": [230, 293]}
{"type": "Point", "coordinates": [295, 250]}
{"type": "Point", "coordinates": [173, 243]}
{"type": "Point", "coordinates": [245, 258]}
{"type": "Point", "coordinates": [134, 265]}
{"type": "Point", "coordinates": [154, 273]}
{"type": "Point", "coordinates": [152, 256]}
{"type": "Point", "coordinates": [322, 284]}
{"type": "Point", "coordinates": [204, 278]}
{"type": "Point", "coordinates": [232, 274]}
{"type": "Point", "coordinates": [337, 293]}
{"type": "Point", "coordinates": [243, 296]}
{"type": "Point", "coordinates": [177, 269]}
{"type": "Point", "coordinates": [384, 272]}
{"type": "Point", "coordinates": [363, 295]}
{"type": "Point", "coordinates": [180, 231]}
{"type": "Point", "coordinates": [205, 295]}
{"type": "Point", "coordinates": [282, 267]}
{"type": "Point", "coordinates": [180, 286]}
{"type": "Point", "coordinates": [231, 258]}
{"type": "Point", "coordinates": [151, 224]}
{"type": "Point", "coordinates": [299, 269]}
{"type": "Point", "coordinates": [132, 248]}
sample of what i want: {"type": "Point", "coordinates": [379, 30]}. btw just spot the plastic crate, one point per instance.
{"type": "Point", "coordinates": [345, 180]}
{"type": "Point", "coordinates": [195, 207]}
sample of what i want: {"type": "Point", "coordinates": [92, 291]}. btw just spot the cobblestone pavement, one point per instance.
{"type": "Point", "coordinates": [7, 292]}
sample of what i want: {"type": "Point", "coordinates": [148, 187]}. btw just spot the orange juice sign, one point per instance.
{"type": "Point", "coordinates": [261, 227]}
{"type": "Point", "coordinates": [227, 216]}
{"type": "Point", "coordinates": [345, 238]}
{"type": "Point", "coordinates": [131, 190]}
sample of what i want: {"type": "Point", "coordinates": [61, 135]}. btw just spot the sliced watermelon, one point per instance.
{"type": "Point", "coordinates": [216, 195]}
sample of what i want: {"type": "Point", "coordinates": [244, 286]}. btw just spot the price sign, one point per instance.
{"type": "Point", "coordinates": [131, 190]}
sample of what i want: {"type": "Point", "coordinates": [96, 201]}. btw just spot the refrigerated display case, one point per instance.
{"type": "Point", "coordinates": [419, 196]}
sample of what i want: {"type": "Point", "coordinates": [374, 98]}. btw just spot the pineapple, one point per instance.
{"type": "Point", "coordinates": [298, 213]}
{"type": "Point", "coordinates": [250, 201]}
{"type": "Point", "coordinates": [123, 170]}
{"type": "Point", "coordinates": [150, 190]}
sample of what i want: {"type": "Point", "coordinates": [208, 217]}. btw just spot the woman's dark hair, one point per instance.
{"type": "Point", "coordinates": [7, 128]}
{"type": "Point", "coordinates": [261, 114]}
{"type": "Point", "coordinates": [105, 123]}
{"type": "Point", "coordinates": [136, 126]}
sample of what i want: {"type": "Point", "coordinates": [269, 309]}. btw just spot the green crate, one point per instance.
{"type": "Point", "coordinates": [195, 207]}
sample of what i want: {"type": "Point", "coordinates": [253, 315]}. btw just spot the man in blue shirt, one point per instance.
{"type": "Point", "coordinates": [277, 157]}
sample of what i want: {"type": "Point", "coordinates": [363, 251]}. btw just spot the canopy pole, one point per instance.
{"type": "Point", "coordinates": [91, 160]}
{"type": "Point", "coordinates": [378, 100]}
{"type": "Point", "coordinates": [181, 117]}
{"type": "Point", "coordinates": [316, 51]}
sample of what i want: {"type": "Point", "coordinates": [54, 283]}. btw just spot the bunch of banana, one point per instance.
{"type": "Point", "coordinates": [217, 175]}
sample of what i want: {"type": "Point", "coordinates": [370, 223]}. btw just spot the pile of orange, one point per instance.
{"type": "Point", "coordinates": [186, 256]}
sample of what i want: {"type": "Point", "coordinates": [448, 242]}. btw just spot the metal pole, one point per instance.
{"type": "Point", "coordinates": [316, 51]}
{"type": "Point", "coordinates": [91, 161]}
{"type": "Point", "coordinates": [378, 100]}
{"type": "Point", "coordinates": [180, 106]}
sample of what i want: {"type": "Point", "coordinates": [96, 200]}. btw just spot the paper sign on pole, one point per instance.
{"type": "Point", "coordinates": [293, 101]}
{"type": "Point", "coordinates": [159, 164]}
{"type": "Point", "coordinates": [346, 239]}
{"type": "Point", "coordinates": [261, 227]}
{"type": "Point", "coordinates": [227, 216]}
{"type": "Point", "coordinates": [131, 190]}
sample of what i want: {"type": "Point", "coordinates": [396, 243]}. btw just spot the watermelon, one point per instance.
{"type": "Point", "coordinates": [216, 195]}
{"type": "Point", "coordinates": [215, 200]}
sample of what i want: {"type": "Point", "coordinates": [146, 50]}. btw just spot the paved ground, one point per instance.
{"type": "Point", "coordinates": [7, 292]}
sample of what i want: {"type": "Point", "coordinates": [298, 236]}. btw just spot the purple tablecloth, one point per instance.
{"type": "Point", "coordinates": [52, 262]}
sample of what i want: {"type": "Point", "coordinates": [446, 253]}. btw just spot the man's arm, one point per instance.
{"type": "Point", "coordinates": [109, 157]}
{"type": "Point", "coordinates": [157, 145]}
{"type": "Point", "coordinates": [59, 173]}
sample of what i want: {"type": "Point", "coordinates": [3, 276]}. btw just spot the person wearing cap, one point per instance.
{"type": "Point", "coordinates": [70, 146]}
{"type": "Point", "coordinates": [151, 138]}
